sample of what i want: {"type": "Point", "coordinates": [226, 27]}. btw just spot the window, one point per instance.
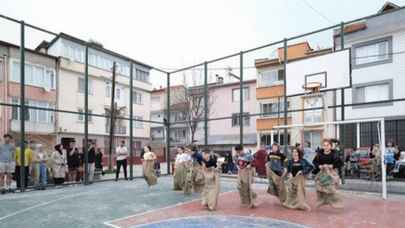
{"type": "Point", "coordinates": [235, 119]}
{"type": "Point", "coordinates": [314, 138]}
{"type": "Point", "coordinates": [313, 116]}
{"type": "Point", "coordinates": [34, 115]}
{"type": "Point", "coordinates": [108, 89]}
{"type": "Point", "coordinates": [117, 93]}
{"type": "Point", "coordinates": [136, 97]}
{"type": "Point", "coordinates": [272, 109]}
{"type": "Point", "coordinates": [374, 91]}
{"type": "Point", "coordinates": [373, 52]}
{"type": "Point", "coordinates": [273, 77]}
{"type": "Point", "coordinates": [138, 124]}
{"type": "Point", "coordinates": [35, 75]}
{"type": "Point", "coordinates": [179, 116]}
{"type": "Point", "coordinates": [141, 75]}
{"type": "Point", "coordinates": [82, 86]}
{"type": "Point", "coordinates": [80, 117]}
{"type": "Point", "coordinates": [236, 94]}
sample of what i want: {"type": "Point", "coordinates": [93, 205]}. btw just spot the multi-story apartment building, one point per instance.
{"type": "Point", "coordinates": [270, 100]}
{"type": "Point", "coordinates": [179, 132]}
{"type": "Point", "coordinates": [40, 90]}
{"type": "Point", "coordinates": [71, 53]}
{"type": "Point", "coordinates": [377, 48]}
{"type": "Point", "coordinates": [223, 134]}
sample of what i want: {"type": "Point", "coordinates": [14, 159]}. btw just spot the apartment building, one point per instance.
{"type": "Point", "coordinates": [223, 134]}
{"type": "Point", "coordinates": [270, 101]}
{"type": "Point", "coordinates": [179, 132]}
{"type": "Point", "coordinates": [40, 91]}
{"type": "Point", "coordinates": [71, 53]}
{"type": "Point", "coordinates": [377, 49]}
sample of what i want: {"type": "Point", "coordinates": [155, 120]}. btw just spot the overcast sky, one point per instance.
{"type": "Point", "coordinates": [176, 33]}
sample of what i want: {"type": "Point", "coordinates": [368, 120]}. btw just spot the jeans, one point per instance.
{"type": "Point", "coordinates": [18, 176]}
{"type": "Point", "coordinates": [122, 163]}
{"type": "Point", "coordinates": [43, 178]}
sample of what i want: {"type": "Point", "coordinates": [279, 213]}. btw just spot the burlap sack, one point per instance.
{"type": "Point", "coordinates": [149, 172]}
{"type": "Point", "coordinates": [198, 178]}
{"type": "Point", "coordinates": [211, 188]}
{"type": "Point", "coordinates": [245, 181]}
{"type": "Point", "coordinates": [276, 185]}
{"type": "Point", "coordinates": [178, 177]}
{"type": "Point", "coordinates": [296, 193]}
{"type": "Point", "coordinates": [188, 178]}
{"type": "Point", "coordinates": [326, 183]}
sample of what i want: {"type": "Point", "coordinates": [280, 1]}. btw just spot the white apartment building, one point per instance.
{"type": "Point", "coordinates": [378, 73]}
{"type": "Point", "coordinates": [70, 97]}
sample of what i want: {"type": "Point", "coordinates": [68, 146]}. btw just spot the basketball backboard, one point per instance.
{"type": "Point", "coordinates": [331, 70]}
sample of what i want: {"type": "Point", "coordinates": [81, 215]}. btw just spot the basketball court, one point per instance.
{"type": "Point", "coordinates": [133, 204]}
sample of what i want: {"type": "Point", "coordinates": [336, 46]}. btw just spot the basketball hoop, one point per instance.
{"type": "Point", "coordinates": [313, 87]}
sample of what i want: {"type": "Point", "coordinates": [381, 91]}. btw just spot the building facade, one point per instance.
{"type": "Point", "coordinates": [71, 88]}
{"type": "Point", "coordinates": [40, 91]}
{"type": "Point", "coordinates": [377, 49]}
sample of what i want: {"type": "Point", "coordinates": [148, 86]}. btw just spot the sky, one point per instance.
{"type": "Point", "coordinates": [177, 33]}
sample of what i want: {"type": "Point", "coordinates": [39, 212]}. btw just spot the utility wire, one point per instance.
{"type": "Point", "coordinates": [318, 12]}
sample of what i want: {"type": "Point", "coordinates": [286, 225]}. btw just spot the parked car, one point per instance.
{"type": "Point", "coordinates": [399, 169]}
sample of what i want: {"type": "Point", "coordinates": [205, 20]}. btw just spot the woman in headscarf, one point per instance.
{"type": "Point", "coordinates": [297, 169]}
{"type": "Point", "coordinates": [245, 177]}
{"type": "Point", "coordinates": [178, 177]}
{"type": "Point", "coordinates": [211, 179]}
{"type": "Point", "coordinates": [275, 169]}
{"type": "Point", "coordinates": [59, 164]}
{"type": "Point", "coordinates": [148, 165]}
{"type": "Point", "coordinates": [326, 164]}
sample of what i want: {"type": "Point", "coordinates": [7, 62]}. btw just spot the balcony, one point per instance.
{"type": "Point", "coordinates": [33, 127]}
{"type": "Point", "coordinates": [270, 92]}
{"type": "Point", "coordinates": [269, 123]}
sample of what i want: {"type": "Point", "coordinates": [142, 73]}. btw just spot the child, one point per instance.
{"type": "Point", "coordinates": [211, 180]}
{"type": "Point", "coordinates": [326, 163]}
{"type": "Point", "coordinates": [275, 173]}
{"type": "Point", "coordinates": [297, 169]}
{"type": "Point", "coordinates": [148, 164]}
{"type": "Point", "coordinates": [245, 177]}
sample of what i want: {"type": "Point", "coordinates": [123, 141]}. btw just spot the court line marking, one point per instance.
{"type": "Point", "coordinates": [40, 205]}
{"type": "Point", "coordinates": [110, 222]}
{"type": "Point", "coordinates": [262, 219]}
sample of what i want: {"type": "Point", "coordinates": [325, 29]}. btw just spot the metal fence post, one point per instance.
{"type": "Point", "coordinates": [112, 116]}
{"type": "Point", "coordinates": [241, 98]}
{"type": "Point", "coordinates": [86, 116]}
{"type": "Point", "coordinates": [285, 97]}
{"type": "Point", "coordinates": [22, 107]}
{"type": "Point", "coordinates": [205, 104]}
{"type": "Point", "coordinates": [168, 124]}
{"type": "Point", "coordinates": [131, 121]}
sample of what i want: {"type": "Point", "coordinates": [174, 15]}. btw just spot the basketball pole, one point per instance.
{"type": "Point", "coordinates": [383, 166]}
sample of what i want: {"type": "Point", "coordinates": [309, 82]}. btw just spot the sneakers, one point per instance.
{"type": "Point", "coordinates": [3, 191]}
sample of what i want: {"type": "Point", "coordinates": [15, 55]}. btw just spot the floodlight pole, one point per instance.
{"type": "Point", "coordinates": [168, 123]}
{"type": "Point", "coordinates": [86, 115]}
{"type": "Point", "coordinates": [383, 165]}
{"type": "Point", "coordinates": [22, 107]}
{"type": "Point", "coordinates": [285, 97]}
{"type": "Point", "coordinates": [131, 120]}
{"type": "Point", "coordinates": [205, 104]}
{"type": "Point", "coordinates": [241, 99]}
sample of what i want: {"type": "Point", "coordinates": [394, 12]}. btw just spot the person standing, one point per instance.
{"type": "Point", "coordinates": [178, 178]}
{"type": "Point", "coordinates": [91, 161]}
{"type": "Point", "coordinates": [122, 160]}
{"type": "Point", "coordinates": [297, 169]}
{"type": "Point", "coordinates": [326, 163]}
{"type": "Point", "coordinates": [41, 159]}
{"type": "Point", "coordinates": [73, 161]}
{"type": "Point", "coordinates": [7, 163]}
{"type": "Point", "coordinates": [148, 164]}
{"type": "Point", "coordinates": [197, 172]}
{"type": "Point", "coordinates": [245, 177]}
{"type": "Point", "coordinates": [59, 163]}
{"type": "Point", "coordinates": [389, 157]}
{"type": "Point", "coordinates": [99, 161]}
{"type": "Point", "coordinates": [188, 170]}
{"type": "Point", "coordinates": [25, 165]}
